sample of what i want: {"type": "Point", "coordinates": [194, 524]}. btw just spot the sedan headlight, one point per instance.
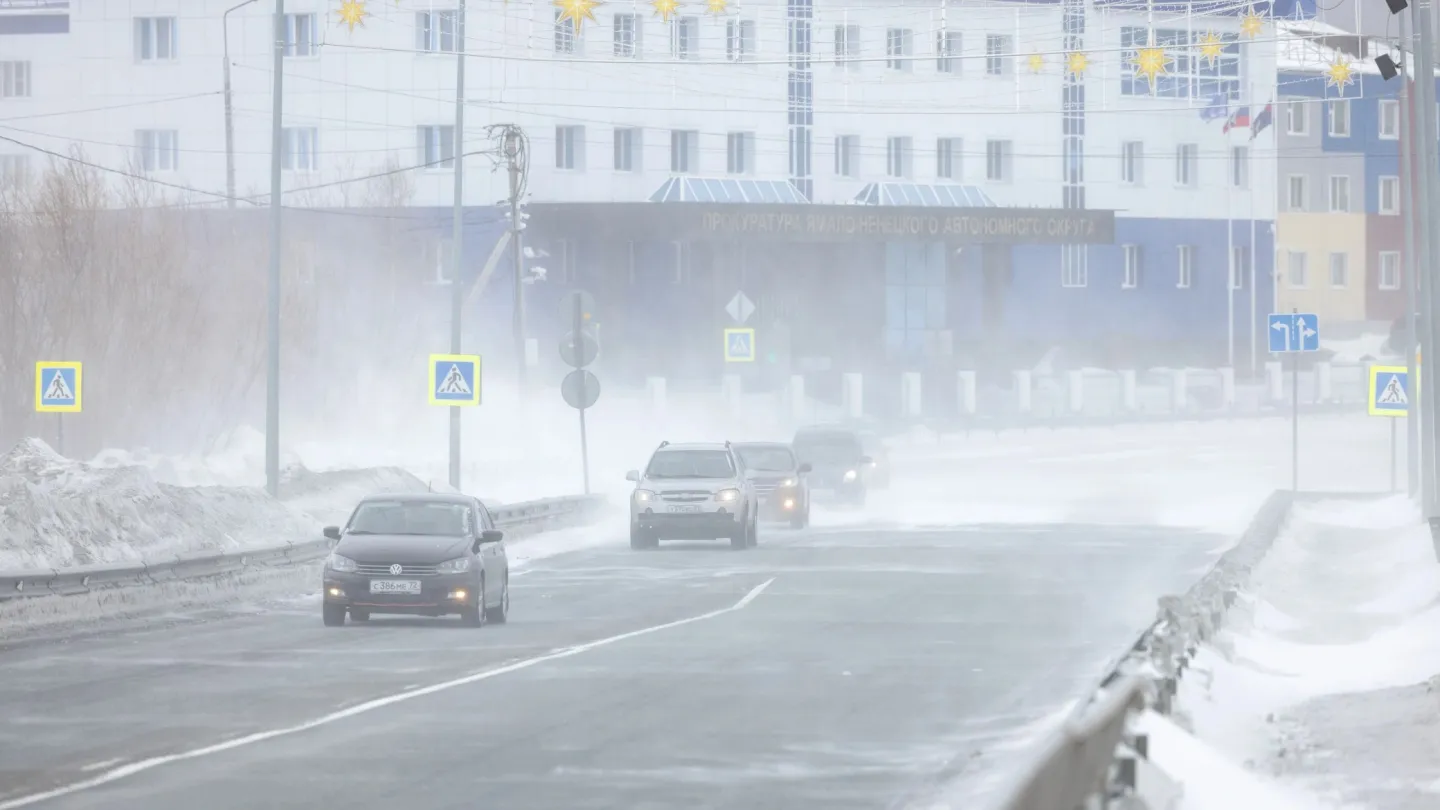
{"type": "Point", "coordinates": [789, 482]}
{"type": "Point", "coordinates": [644, 496]}
{"type": "Point", "coordinates": [341, 564]}
{"type": "Point", "coordinates": [850, 475]}
{"type": "Point", "coordinates": [457, 566]}
{"type": "Point", "coordinates": [727, 495]}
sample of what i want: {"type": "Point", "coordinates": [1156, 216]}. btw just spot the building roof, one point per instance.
{"type": "Point", "coordinates": [1311, 46]}
{"type": "Point", "coordinates": [929, 195]}
{"type": "Point", "coordinates": [727, 190]}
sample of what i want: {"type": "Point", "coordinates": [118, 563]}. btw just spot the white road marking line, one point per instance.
{"type": "Point", "coordinates": [133, 768]}
{"type": "Point", "coordinates": [98, 765]}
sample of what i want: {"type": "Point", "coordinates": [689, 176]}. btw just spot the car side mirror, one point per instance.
{"type": "Point", "coordinates": [633, 475]}
{"type": "Point", "coordinates": [492, 536]}
{"type": "Point", "coordinates": [332, 532]}
{"type": "Point", "coordinates": [804, 468]}
{"type": "Point", "coordinates": [866, 460]}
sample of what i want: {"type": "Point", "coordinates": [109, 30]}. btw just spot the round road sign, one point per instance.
{"type": "Point", "coordinates": [580, 389]}
{"type": "Point", "coordinates": [584, 354]}
{"type": "Point", "coordinates": [567, 306]}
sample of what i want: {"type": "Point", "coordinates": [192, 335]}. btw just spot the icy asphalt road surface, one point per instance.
{"type": "Point", "coordinates": [873, 660]}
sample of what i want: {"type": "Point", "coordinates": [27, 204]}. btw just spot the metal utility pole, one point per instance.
{"type": "Point", "coordinates": [1409, 265]}
{"type": "Point", "coordinates": [277, 144]}
{"type": "Point", "coordinates": [1426, 165]}
{"type": "Point", "coordinates": [517, 157]}
{"type": "Point", "coordinates": [457, 232]}
{"type": "Point", "coordinates": [229, 107]}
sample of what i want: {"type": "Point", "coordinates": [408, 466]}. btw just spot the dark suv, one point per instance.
{"type": "Point", "coordinates": [779, 479]}
{"type": "Point", "coordinates": [841, 460]}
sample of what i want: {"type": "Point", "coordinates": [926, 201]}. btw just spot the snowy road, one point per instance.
{"type": "Point", "coordinates": [871, 659]}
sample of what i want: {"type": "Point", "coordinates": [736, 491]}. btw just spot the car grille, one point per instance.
{"type": "Point", "coordinates": [383, 570]}
{"type": "Point", "coordinates": [686, 496]}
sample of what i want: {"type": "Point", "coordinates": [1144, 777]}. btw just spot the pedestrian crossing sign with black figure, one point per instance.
{"type": "Point", "coordinates": [57, 387]}
{"type": "Point", "coordinates": [454, 379]}
{"type": "Point", "coordinates": [1389, 391]}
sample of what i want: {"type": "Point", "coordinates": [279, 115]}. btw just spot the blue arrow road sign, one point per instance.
{"type": "Point", "coordinates": [1293, 332]}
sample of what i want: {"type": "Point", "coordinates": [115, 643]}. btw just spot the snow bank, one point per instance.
{"type": "Point", "coordinates": [1321, 675]}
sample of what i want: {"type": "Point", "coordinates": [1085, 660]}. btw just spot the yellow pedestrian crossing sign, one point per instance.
{"type": "Point", "coordinates": [1389, 391]}
{"type": "Point", "coordinates": [739, 345]}
{"type": "Point", "coordinates": [454, 379]}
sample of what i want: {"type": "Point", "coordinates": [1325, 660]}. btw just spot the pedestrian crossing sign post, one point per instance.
{"type": "Point", "coordinates": [1389, 391]}
{"type": "Point", "coordinates": [58, 387]}
{"type": "Point", "coordinates": [454, 379]}
{"type": "Point", "coordinates": [739, 345]}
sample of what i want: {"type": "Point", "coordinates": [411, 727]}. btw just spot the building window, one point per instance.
{"type": "Point", "coordinates": [567, 35]}
{"type": "Point", "coordinates": [682, 261]}
{"type": "Point", "coordinates": [570, 147]}
{"type": "Point", "coordinates": [1389, 119]}
{"type": "Point", "coordinates": [947, 51]}
{"type": "Point", "coordinates": [302, 147]}
{"type": "Point", "coordinates": [1297, 269]}
{"type": "Point", "coordinates": [1296, 120]}
{"type": "Point", "coordinates": [685, 37]}
{"type": "Point", "coordinates": [1239, 266]}
{"type": "Point", "coordinates": [1339, 193]}
{"type": "Point", "coordinates": [1187, 159]}
{"type": "Point", "coordinates": [949, 154]}
{"type": "Point", "coordinates": [627, 35]}
{"type": "Point", "coordinates": [155, 39]}
{"type": "Point", "coordinates": [1131, 279]}
{"type": "Point", "coordinates": [1186, 267]}
{"type": "Point", "coordinates": [1389, 270]}
{"type": "Point", "coordinates": [740, 40]}
{"type": "Point", "coordinates": [1074, 265]}
{"type": "Point", "coordinates": [14, 170]}
{"type": "Point", "coordinates": [897, 157]}
{"type": "Point", "coordinates": [998, 161]}
{"type": "Point", "coordinates": [998, 54]}
{"type": "Point", "coordinates": [435, 31]}
{"type": "Point", "coordinates": [628, 141]}
{"type": "Point", "coordinates": [563, 256]}
{"type": "Point", "coordinates": [1339, 117]}
{"type": "Point", "coordinates": [302, 37]}
{"type": "Point", "coordinates": [435, 146]}
{"type": "Point", "coordinates": [915, 297]}
{"type": "Point", "coordinates": [14, 79]}
{"type": "Point", "coordinates": [1132, 163]}
{"type": "Point", "coordinates": [1297, 193]}
{"type": "Point", "coordinates": [847, 156]}
{"type": "Point", "coordinates": [740, 153]}
{"type": "Point", "coordinates": [684, 151]}
{"type": "Point", "coordinates": [847, 46]}
{"type": "Point", "coordinates": [899, 44]}
{"type": "Point", "coordinates": [159, 149]}
{"type": "Point", "coordinates": [1239, 167]}
{"type": "Point", "coordinates": [1389, 195]}
{"type": "Point", "coordinates": [1189, 75]}
{"type": "Point", "coordinates": [1339, 270]}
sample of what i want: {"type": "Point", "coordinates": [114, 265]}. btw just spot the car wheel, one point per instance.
{"type": "Point", "coordinates": [641, 539]}
{"type": "Point", "coordinates": [741, 538]}
{"type": "Point", "coordinates": [755, 531]}
{"type": "Point", "coordinates": [334, 615]}
{"type": "Point", "coordinates": [501, 612]}
{"type": "Point", "coordinates": [357, 615]}
{"type": "Point", "coordinates": [801, 519]}
{"type": "Point", "coordinates": [475, 616]}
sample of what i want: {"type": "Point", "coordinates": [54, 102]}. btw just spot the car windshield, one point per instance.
{"type": "Point", "coordinates": [691, 464]}
{"type": "Point", "coordinates": [828, 448]}
{"type": "Point", "coordinates": [421, 518]}
{"type": "Point", "coordinates": [768, 459]}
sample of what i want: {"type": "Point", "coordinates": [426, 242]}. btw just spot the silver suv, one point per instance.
{"type": "Point", "coordinates": [693, 492]}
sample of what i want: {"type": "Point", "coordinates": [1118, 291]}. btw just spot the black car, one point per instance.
{"type": "Point", "coordinates": [418, 555]}
{"type": "Point", "coordinates": [839, 461]}
{"type": "Point", "coordinates": [779, 479]}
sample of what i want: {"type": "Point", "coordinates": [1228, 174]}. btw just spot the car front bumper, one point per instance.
{"type": "Point", "coordinates": [439, 595]}
{"type": "Point", "coordinates": [688, 525]}
{"type": "Point", "coordinates": [782, 504]}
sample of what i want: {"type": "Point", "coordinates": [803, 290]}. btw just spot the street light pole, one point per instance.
{"type": "Point", "coordinates": [1409, 265]}
{"type": "Point", "coordinates": [229, 107]}
{"type": "Point", "coordinates": [457, 291]}
{"type": "Point", "coordinates": [514, 153]}
{"type": "Point", "coordinates": [272, 392]}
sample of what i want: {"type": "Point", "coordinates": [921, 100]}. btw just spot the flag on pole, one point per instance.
{"type": "Point", "coordinates": [1262, 121]}
{"type": "Point", "coordinates": [1216, 109]}
{"type": "Point", "coordinates": [1237, 119]}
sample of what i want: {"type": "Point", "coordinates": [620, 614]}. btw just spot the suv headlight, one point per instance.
{"type": "Point", "coordinates": [789, 482]}
{"type": "Point", "coordinates": [850, 475]}
{"type": "Point", "coordinates": [644, 496]}
{"type": "Point", "coordinates": [341, 564]}
{"type": "Point", "coordinates": [457, 566]}
{"type": "Point", "coordinates": [727, 495]}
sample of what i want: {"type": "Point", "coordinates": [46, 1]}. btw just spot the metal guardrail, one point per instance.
{"type": "Point", "coordinates": [1094, 757]}
{"type": "Point", "coordinates": [515, 519]}
{"type": "Point", "coordinates": [985, 423]}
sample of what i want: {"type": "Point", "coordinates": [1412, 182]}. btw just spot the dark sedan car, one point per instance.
{"type": "Point", "coordinates": [418, 555]}
{"type": "Point", "coordinates": [779, 479]}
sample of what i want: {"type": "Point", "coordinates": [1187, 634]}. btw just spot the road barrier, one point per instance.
{"type": "Point", "coordinates": [515, 519]}
{"type": "Point", "coordinates": [1094, 757]}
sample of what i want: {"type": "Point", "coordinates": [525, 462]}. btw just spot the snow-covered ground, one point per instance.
{"type": "Point", "coordinates": [1319, 692]}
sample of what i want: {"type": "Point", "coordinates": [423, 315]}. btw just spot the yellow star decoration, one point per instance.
{"type": "Point", "coordinates": [665, 9]}
{"type": "Point", "coordinates": [1211, 47]}
{"type": "Point", "coordinates": [577, 11]}
{"type": "Point", "coordinates": [717, 6]}
{"type": "Point", "coordinates": [353, 13]}
{"type": "Point", "coordinates": [1251, 24]}
{"type": "Point", "coordinates": [1339, 74]}
{"type": "Point", "coordinates": [1076, 63]}
{"type": "Point", "coordinates": [1151, 63]}
{"type": "Point", "coordinates": [1037, 62]}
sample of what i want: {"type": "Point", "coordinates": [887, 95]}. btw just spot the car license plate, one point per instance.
{"type": "Point", "coordinates": [411, 586]}
{"type": "Point", "coordinates": [685, 509]}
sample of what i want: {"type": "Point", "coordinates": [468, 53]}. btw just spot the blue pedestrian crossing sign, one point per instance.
{"type": "Point", "coordinates": [1293, 332]}
{"type": "Point", "coordinates": [454, 379]}
{"type": "Point", "coordinates": [58, 387]}
{"type": "Point", "coordinates": [1389, 391]}
{"type": "Point", "coordinates": [739, 345]}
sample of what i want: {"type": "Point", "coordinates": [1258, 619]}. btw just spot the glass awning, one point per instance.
{"type": "Point", "coordinates": [727, 190]}
{"type": "Point", "coordinates": [941, 195]}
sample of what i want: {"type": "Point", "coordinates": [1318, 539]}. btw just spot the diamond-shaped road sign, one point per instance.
{"type": "Point", "coordinates": [740, 308]}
